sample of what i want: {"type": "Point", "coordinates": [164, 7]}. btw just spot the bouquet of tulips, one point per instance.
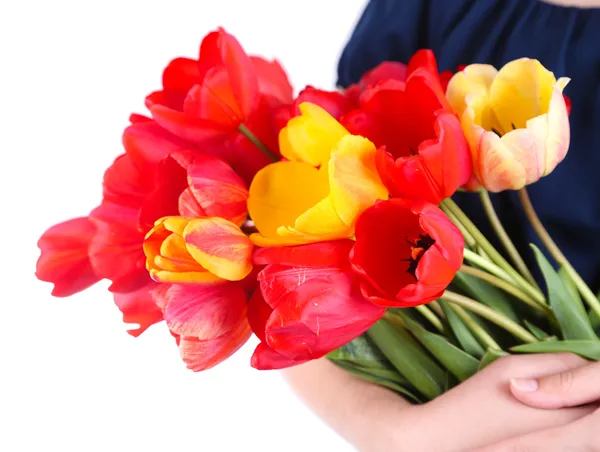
{"type": "Point", "coordinates": [324, 223]}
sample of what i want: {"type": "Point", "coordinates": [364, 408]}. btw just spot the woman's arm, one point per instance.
{"type": "Point", "coordinates": [476, 413]}
{"type": "Point", "coordinates": [365, 414]}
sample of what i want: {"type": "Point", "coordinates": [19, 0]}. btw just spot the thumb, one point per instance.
{"type": "Point", "coordinates": [569, 388]}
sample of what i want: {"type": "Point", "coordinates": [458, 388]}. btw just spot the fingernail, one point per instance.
{"type": "Point", "coordinates": [524, 385]}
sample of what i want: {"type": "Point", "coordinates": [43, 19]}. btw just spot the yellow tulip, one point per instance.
{"type": "Point", "coordinates": [329, 180]}
{"type": "Point", "coordinates": [515, 121]}
{"type": "Point", "coordinates": [197, 250]}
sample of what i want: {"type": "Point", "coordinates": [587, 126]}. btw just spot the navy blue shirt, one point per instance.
{"type": "Point", "coordinates": [565, 40]}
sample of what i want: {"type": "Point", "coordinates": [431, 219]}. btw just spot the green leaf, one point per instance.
{"type": "Point", "coordinates": [568, 309]}
{"type": "Point", "coordinates": [490, 356]}
{"type": "Point", "coordinates": [412, 362]}
{"type": "Point", "coordinates": [463, 334]}
{"type": "Point", "coordinates": [594, 320]}
{"type": "Point", "coordinates": [361, 351]}
{"type": "Point", "coordinates": [459, 363]}
{"type": "Point", "coordinates": [536, 331]}
{"type": "Point", "coordinates": [364, 354]}
{"type": "Point", "coordinates": [487, 294]}
{"type": "Point", "coordinates": [589, 349]}
{"type": "Point", "coordinates": [411, 395]}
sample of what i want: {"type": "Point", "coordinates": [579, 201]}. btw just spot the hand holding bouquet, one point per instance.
{"type": "Point", "coordinates": [325, 225]}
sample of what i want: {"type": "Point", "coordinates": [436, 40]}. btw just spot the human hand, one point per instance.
{"type": "Point", "coordinates": [478, 412]}
{"type": "Point", "coordinates": [578, 386]}
{"type": "Point", "coordinates": [482, 411]}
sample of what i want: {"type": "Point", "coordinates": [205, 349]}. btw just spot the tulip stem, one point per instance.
{"type": "Point", "coordinates": [429, 315]}
{"type": "Point", "coordinates": [482, 335]}
{"type": "Point", "coordinates": [507, 287]}
{"type": "Point", "coordinates": [556, 253]}
{"type": "Point", "coordinates": [469, 240]}
{"type": "Point", "coordinates": [435, 307]}
{"type": "Point", "coordinates": [489, 314]}
{"type": "Point", "coordinates": [256, 142]}
{"type": "Point", "coordinates": [511, 249]}
{"type": "Point", "coordinates": [488, 266]}
{"type": "Point", "coordinates": [492, 252]}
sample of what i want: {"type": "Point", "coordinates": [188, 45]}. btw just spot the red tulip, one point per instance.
{"type": "Point", "coordinates": [309, 304]}
{"type": "Point", "coordinates": [423, 152]}
{"type": "Point", "coordinates": [333, 102]}
{"type": "Point", "coordinates": [205, 101]}
{"type": "Point", "coordinates": [407, 252]}
{"type": "Point", "coordinates": [158, 176]}
{"type": "Point", "coordinates": [387, 70]}
{"type": "Point", "coordinates": [208, 321]}
{"type": "Point", "coordinates": [64, 260]}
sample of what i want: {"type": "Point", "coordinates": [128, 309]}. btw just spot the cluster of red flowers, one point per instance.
{"type": "Point", "coordinates": [174, 214]}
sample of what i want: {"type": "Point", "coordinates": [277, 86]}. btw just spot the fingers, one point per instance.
{"type": "Point", "coordinates": [568, 388]}
{"type": "Point", "coordinates": [553, 440]}
{"type": "Point", "coordinates": [577, 436]}
{"type": "Point", "coordinates": [534, 366]}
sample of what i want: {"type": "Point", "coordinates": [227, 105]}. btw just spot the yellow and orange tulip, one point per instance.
{"type": "Point", "coordinates": [515, 120]}
{"type": "Point", "coordinates": [198, 250]}
{"type": "Point", "coordinates": [329, 180]}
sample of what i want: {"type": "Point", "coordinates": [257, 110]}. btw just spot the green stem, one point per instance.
{"type": "Point", "coordinates": [502, 284]}
{"type": "Point", "coordinates": [491, 251]}
{"type": "Point", "coordinates": [431, 317]}
{"type": "Point", "coordinates": [435, 307]}
{"type": "Point", "coordinates": [256, 142]}
{"type": "Point", "coordinates": [488, 266]}
{"type": "Point", "coordinates": [556, 253]}
{"type": "Point", "coordinates": [469, 240]}
{"type": "Point", "coordinates": [511, 249]}
{"type": "Point", "coordinates": [489, 314]}
{"type": "Point", "coordinates": [483, 336]}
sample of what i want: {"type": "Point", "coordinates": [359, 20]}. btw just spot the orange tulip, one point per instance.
{"type": "Point", "coordinates": [199, 250]}
{"type": "Point", "coordinates": [515, 120]}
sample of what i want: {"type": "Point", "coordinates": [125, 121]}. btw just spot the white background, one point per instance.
{"type": "Point", "coordinates": [71, 378]}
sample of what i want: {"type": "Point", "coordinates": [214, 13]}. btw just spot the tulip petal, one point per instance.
{"type": "Point", "coordinates": [219, 48]}
{"type": "Point", "coordinates": [188, 206]}
{"type": "Point", "coordinates": [281, 191]}
{"type": "Point", "coordinates": [170, 182]}
{"type": "Point", "coordinates": [202, 355]}
{"type": "Point", "coordinates": [125, 184]}
{"type": "Point", "coordinates": [354, 185]}
{"type": "Point", "coordinates": [310, 137]}
{"type": "Point", "coordinates": [218, 190]}
{"type": "Point", "coordinates": [315, 310]}
{"type": "Point", "coordinates": [204, 311]}
{"type": "Point", "coordinates": [138, 307]}
{"type": "Point", "coordinates": [522, 90]}
{"type": "Point", "coordinates": [354, 182]}
{"type": "Point", "coordinates": [265, 358]}
{"type": "Point", "coordinates": [499, 167]}
{"type": "Point", "coordinates": [211, 321]}
{"type": "Point", "coordinates": [387, 70]}
{"type": "Point", "coordinates": [64, 258]}
{"type": "Point", "coordinates": [147, 143]}
{"type": "Point", "coordinates": [474, 80]}
{"type": "Point", "coordinates": [387, 236]}
{"type": "Point", "coordinates": [200, 131]}
{"type": "Point", "coordinates": [322, 254]}
{"type": "Point", "coordinates": [167, 256]}
{"type": "Point", "coordinates": [220, 247]}
{"type": "Point", "coordinates": [558, 136]}
{"type": "Point", "coordinates": [272, 79]}
{"type": "Point", "coordinates": [116, 251]}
